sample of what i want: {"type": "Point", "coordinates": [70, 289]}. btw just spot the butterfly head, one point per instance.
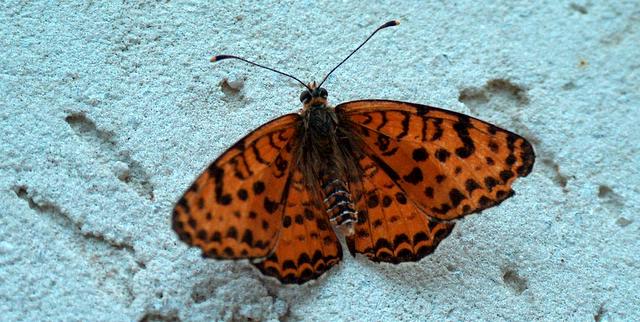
{"type": "Point", "coordinates": [314, 95]}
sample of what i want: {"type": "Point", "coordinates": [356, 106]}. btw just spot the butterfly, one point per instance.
{"type": "Point", "coordinates": [390, 176]}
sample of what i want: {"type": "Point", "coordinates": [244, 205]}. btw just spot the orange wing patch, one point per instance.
{"type": "Point", "coordinates": [449, 164]}
{"type": "Point", "coordinates": [233, 210]}
{"type": "Point", "coordinates": [390, 227]}
{"type": "Point", "coordinates": [306, 246]}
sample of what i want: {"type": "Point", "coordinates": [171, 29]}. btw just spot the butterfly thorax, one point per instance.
{"type": "Point", "coordinates": [325, 159]}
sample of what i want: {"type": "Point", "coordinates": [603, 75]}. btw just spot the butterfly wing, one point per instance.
{"type": "Point", "coordinates": [307, 246]}
{"type": "Point", "coordinates": [390, 227]}
{"type": "Point", "coordinates": [424, 166]}
{"type": "Point", "coordinates": [448, 163]}
{"type": "Point", "coordinates": [233, 209]}
{"type": "Point", "coordinates": [251, 203]}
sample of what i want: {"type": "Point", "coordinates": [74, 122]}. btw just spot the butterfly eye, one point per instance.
{"type": "Point", "coordinates": [323, 93]}
{"type": "Point", "coordinates": [305, 96]}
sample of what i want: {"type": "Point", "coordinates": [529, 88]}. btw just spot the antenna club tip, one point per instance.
{"type": "Point", "coordinates": [390, 24]}
{"type": "Point", "coordinates": [218, 58]}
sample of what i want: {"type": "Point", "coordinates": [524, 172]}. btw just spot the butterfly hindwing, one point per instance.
{"type": "Point", "coordinates": [447, 163]}
{"type": "Point", "coordinates": [306, 246]}
{"type": "Point", "coordinates": [233, 209]}
{"type": "Point", "coordinates": [390, 227]}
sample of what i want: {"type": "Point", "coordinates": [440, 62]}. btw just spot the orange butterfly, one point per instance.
{"type": "Point", "coordinates": [392, 175]}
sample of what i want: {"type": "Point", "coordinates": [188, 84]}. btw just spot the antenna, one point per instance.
{"type": "Point", "coordinates": [388, 24]}
{"type": "Point", "coordinates": [221, 57]}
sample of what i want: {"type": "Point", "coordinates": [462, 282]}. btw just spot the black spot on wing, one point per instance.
{"type": "Point", "coordinates": [420, 154]}
{"type": "Point", "coordinates": [506, 175]}
{"type": "Point", "coordinates": [414, 177]}
{"type": "Point", "coordinates": [442, 155]}
{"type": "Point", "coordinates": [471, 185]}
{"type": "Point", "coordinates": [456, 197]}
{"type": "Point", "coordinates": [270, 205]}
{"type": "Point", "coordinates": [490, 183]}
{"type": "Point", "coordinates": [258, 187]}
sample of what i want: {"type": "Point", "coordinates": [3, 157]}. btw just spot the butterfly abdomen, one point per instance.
{"type": "Point", "coordinates": [338, 201]}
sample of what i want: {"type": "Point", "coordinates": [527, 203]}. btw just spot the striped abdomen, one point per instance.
{"type": "Point", "coordinates": [340, 208]}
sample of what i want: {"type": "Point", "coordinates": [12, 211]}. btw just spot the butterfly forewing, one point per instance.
{"type": "Point", "coordinates": [447, 163]}
{"type": "Point", "coordinates": [233, 209]}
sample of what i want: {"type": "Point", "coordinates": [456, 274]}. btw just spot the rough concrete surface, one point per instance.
{"type": "Point", "coordinates": [108, 111]}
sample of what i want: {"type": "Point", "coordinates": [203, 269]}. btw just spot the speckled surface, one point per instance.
{"type": "Point", "coordinates": [108, 111]}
